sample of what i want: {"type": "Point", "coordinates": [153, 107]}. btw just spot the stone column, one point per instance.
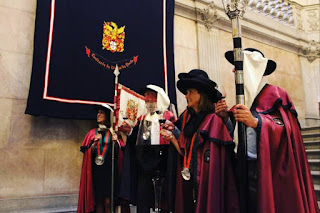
{"type": "Point", "coordinates": [208, 44]}
{"type": "Point", "coordinates": [310, 66]}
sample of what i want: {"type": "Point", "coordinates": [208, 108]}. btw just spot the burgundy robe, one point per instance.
{"type": "Point", "coordinates": [86, 196]}
{"type": "Point", "coordinates": [86, 200]}
{"type": "Point", "coordinates": [284, 179]}
{"type": "Point", "coordinates": [217, 190]}
{"type": "Point", "coordinates": [136, 193]}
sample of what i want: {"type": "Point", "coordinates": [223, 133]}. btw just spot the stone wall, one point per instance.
{"type": "Point", "coordinates": [39, 155]}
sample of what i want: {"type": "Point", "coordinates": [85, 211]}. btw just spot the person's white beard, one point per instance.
{"type": "Point", "coordinates": [151, 107]}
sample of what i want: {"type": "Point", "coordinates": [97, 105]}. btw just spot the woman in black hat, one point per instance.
{"type": "Point", "coordinates": [95, 183]}
{"type": "Point", "coordinates": [205, 179]}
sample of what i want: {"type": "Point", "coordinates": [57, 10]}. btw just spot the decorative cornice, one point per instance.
{"type": "Point", "coordinates": [312, 51]}
{"type": "Point", "coordinates": [313, 19]}
{"type": "Point", "coordinates": [254, 26]}
{"type": "Point", "coordinates": [299, 24]}
{"type": "Point", "coordinates": [208, 15]}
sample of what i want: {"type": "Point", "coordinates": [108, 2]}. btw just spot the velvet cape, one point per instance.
{"type": "Point", "coordinates": [284, 180]}
{"type": "Point", "coordinates": [129, 177]}
{"type": "Point", "coordinates": [86, 201]}
{"type": "Point", "coordinates": [216, 183]}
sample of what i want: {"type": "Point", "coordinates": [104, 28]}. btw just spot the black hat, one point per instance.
{"type": "Point", "coordinates": [199, 80]}
{"type": "Point", "coordinates": [271, 65]}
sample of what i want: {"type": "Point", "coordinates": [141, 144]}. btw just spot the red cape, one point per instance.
{"type": "Point", "coordinates": [217, 190]}
{"type": "Point", "coordinates": [284, 179]}
{"type": "Point", "coordinates": [86, 197]}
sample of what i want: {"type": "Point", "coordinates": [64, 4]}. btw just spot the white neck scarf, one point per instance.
{"type": "Point", "coordinates": [155, 128]}
{"type": "Point", "coordinates": [254, 65]}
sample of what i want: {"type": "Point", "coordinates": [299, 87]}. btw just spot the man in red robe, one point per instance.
{"type": "Point", "coordinates": [279, 174]}
{"type": "Point", "coordinates": [148, 157]}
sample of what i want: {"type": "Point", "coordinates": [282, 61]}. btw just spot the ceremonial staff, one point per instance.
{"type": "Point", "coordinates": [235, 10]}
{"type": "Point", "coordinates": [116, 73]}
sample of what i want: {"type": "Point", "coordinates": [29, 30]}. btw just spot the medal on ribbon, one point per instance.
{"type": "Point", "coordinates": [186, 173]}
{"type": "Point", "coordinates": [99, 160]}
{"type": "Point", "coordinates": [186, 161]}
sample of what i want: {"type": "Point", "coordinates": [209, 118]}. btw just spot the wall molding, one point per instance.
{"type": "Point", "coordinates": [255, 26]}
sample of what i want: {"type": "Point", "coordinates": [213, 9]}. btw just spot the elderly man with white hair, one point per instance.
{"type": "Point", "coordinates": [148, 156]}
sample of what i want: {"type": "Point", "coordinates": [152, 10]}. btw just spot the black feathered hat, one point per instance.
{"type": "Point", "coordinates": [199, 80]}
{"type": "Point", "coordinates": [271, 65]}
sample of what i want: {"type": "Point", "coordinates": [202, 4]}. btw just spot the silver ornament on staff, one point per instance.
{"type": "Point", "coordinates": [116, 73]}
{"type": "Point", "coordinates": [235, 10]}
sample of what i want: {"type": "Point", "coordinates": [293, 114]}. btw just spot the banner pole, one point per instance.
{"type": "Point", "coordinates": [116, 73]}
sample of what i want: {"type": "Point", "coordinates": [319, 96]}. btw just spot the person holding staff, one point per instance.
{"type": "Point", "coordinates": [279, 177]}
{"type": "Point", "coordinates": [148, 156]}
{"type": "Point", "coordinates": [95, 182]}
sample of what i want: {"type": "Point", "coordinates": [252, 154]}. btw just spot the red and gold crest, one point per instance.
{"type": "Point", "coordinates": [132, 110]}
{"type": "Point", "coordinates": [113, 37]}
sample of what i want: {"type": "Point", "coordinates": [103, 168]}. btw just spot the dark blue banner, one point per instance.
{"type": "Point", "coordinates": [79, 43]}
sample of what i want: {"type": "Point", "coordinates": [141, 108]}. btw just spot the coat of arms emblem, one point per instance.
{"type": "Point", "coordinates": [113, 37]}
{"type": "Point", "coordinates": [132, 110]}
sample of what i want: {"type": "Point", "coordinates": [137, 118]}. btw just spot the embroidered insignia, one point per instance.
{"type": "Point", "coordinates": [132, 110]}
{"type": "Point", "coordinates": [278, 121]}
{"type": "Point", "coordinates": [206, 156]}
{"type": "Point", "coordinates": [113, 37]}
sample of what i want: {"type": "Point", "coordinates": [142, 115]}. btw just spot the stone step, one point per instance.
{"type": "Point", "coordinates": [313, 153]}
{"type": "Point", "coordinates": [315, 177]}
{"type": "Point", "coordinates": [311, 136]}
{"type": "Point", "coordinates": [54, 203]}
{"type": "Point", "coordinates": [72, 209]}
{"type": "Point", "coordinates": [311, 144]}
{"type": "Point", "coordinates": [315, 129]}
{"type": "Point", "coordinates": [314, 164]}
{"type": "Point", "coordinates": [317, 189]}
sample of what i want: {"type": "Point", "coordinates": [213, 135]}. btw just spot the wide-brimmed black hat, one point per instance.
{"type": "Point", "coordinates": [199, 80]}
{"type": "Point", "coordinates": [271, 65]}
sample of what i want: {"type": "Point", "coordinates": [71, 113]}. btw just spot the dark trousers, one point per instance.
{"type": "Point", "coordinates": [252, 185]}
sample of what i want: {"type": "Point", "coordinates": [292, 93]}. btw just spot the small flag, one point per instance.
{"type": "Point", "coordinates": [129, 106]}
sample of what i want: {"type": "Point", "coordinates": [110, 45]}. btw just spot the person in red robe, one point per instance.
{"type": "Point", "coordinates": [95, 181]}
{"type": "Point", "coordinates": [205, 168]}
{"type": "Point", "coordinates": [148, 157]}
{"type": "Point", "coordinates": [279, 177]}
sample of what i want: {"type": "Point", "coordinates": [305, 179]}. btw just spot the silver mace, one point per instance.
{"type": "Point", "coordinates": [235, 10]}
